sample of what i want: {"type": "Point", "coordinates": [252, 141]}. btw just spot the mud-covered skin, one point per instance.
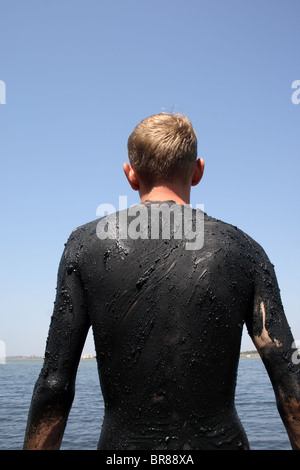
{"type": "Point", "coordinates": [167, 325]}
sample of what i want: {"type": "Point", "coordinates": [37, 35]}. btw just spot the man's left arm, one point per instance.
{"type": "Point", "coordinates": [55, 388]}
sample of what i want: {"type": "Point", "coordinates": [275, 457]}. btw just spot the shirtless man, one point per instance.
{"type": "Point", "coordinates": [167, 320]}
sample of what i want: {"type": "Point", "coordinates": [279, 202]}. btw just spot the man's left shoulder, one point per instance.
{"type": "Point", "coordinates": [87, 228]}
{"type": "Point", "coordinates": [81, 234]}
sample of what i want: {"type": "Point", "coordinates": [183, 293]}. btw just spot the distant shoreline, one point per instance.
{"type": "Point", "coordinates": [248, 354]}
{"type": "Point", "coordinates": [39, 358]}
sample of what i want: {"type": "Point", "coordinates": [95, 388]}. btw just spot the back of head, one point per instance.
{"type": "Point", "coordinates": [163, 148]}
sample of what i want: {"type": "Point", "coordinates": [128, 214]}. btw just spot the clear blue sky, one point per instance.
{"type": "Point", "coordinates": [80, 74]}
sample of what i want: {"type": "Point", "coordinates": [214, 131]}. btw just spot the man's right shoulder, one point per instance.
{"type": "Point", "coordinates": [233, 234]}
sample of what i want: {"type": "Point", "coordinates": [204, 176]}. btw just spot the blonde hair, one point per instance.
{"type": "Point", "coordinates": [163, 147]}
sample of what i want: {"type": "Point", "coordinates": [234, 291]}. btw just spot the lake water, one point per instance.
{"type": "Point", "coordinates": [255, 403]}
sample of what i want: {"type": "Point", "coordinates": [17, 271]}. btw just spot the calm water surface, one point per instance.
{"type": "Point", "coordinates": [255, 403]}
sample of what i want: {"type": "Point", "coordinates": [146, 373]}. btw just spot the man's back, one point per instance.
{"type": "Point", "coordinates": [167, 325]}
{"type": "Point", "coordinates": [167, 314]}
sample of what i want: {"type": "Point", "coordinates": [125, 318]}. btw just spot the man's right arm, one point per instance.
{"type": "Point", "coordinates": [270, 332]}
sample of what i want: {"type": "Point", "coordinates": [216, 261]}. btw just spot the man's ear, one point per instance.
{"type": "Point", "coordinates": [198, 172]}
{"type": "Point", "coordinates": [131, 176]}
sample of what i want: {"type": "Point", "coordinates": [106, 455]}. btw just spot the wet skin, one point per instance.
{"type": "Point", "coordinates": [167, 325]}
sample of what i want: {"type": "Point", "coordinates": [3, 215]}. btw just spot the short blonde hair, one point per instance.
{"type": "Point", "coordinates": [163, 147]}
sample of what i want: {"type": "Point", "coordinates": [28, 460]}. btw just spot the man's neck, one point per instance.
{"type": "Point", "coordinates": [164, 193]}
